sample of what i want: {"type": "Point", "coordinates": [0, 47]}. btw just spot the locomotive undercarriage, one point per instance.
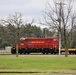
{"type": "Point", "coordinates": [41, 50]}
{"type": "Point", "coordinates": [33, 50]}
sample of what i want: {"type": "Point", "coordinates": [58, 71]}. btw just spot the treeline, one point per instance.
{"type": "Point", "coordinates": [8, 33]}
{"type": "Point", "coordinates": [13, 28]}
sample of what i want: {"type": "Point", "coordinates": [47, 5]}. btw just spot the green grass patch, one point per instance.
{"type": "Point", "coordinates": [32, 74]}
{"type": "Point", "coordinates": [38, 64]}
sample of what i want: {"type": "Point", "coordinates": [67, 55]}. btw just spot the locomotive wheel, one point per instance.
{"type": "Point", "coordinates": [13, 53]}
{"type": "Point", "coordinates": [20, 52]}
{"type": "Point", "coordinates": [46, 52]}
{"type": "Point", "coordinates": [28, 52]}
{"type": "Point", "coordinates": [43, 52]}
{"type": "Point", "coordinates": [24, 52]}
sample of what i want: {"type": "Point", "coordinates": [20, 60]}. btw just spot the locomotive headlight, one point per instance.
{"type": "Point", "coordinates": [55, 46]}
{"type": "Point", "coordinates": [21, 43]}
{"type": "Point", "coordinates": [55, 39]}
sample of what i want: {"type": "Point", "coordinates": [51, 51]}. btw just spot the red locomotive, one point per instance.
{"type": "Point", "coordinates": [37, 45]}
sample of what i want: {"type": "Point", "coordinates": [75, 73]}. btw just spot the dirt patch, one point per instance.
{"type": "Point", "coordinates": [74, 69]}
{"type": "Point", "coordinates": [74, 73]}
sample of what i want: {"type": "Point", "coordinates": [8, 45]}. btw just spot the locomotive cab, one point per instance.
{"type": "Point", "coordinates": [21, 47]}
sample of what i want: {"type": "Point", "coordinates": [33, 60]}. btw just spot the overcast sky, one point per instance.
{"type": "Point", "coordinates": [28, 8]}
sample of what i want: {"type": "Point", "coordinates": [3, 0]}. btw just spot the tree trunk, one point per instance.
{"type": "Point", "coordinates": [65, 42]}
{"type": "Point", "coordinates": [16, 49]}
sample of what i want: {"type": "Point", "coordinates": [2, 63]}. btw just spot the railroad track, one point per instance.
{"type": "Point", "coordinates": [45, 55]}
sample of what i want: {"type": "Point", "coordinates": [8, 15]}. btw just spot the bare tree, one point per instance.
{"type": "Point", "coordinates": [14, 20]}
{"type": "Point", "coordinates": [59, 16]}
{"type": "Point", "coordinates": [72, 33]}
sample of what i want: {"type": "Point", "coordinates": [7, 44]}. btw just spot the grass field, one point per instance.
{"type": "Point", "coordinates": [37, 64]}
{"type": "Point", "coordinates": [35, 74]}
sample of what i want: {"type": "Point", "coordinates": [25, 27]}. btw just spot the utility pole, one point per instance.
{"type": "Point", "coordinates": [45, 33]}
{"type": "Point", "coordinates": [61, 20]}
{"type": "Point", "coordinates": [59, 30]}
